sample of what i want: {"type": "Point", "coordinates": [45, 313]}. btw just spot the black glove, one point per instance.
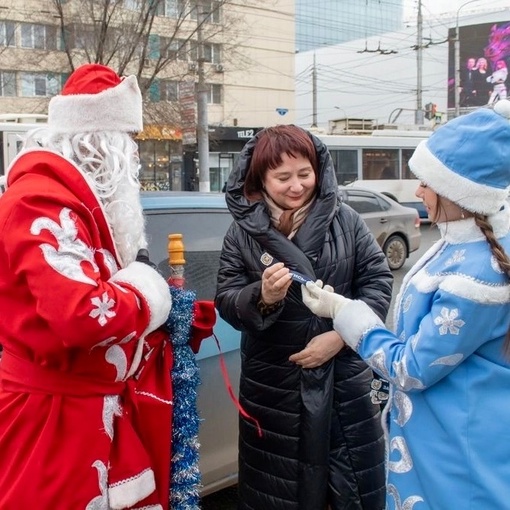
{"type": "Point", "coordinates": [143, 256]}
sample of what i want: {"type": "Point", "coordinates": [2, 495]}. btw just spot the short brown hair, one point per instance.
{"type": "Point", "coordinates": [271, 143]}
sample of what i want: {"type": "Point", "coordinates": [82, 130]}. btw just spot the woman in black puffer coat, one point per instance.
{"type": "Point", "coordinates": [320, 442]}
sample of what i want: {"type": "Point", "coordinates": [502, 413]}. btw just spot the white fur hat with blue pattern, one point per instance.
{"type": "Point", "coordinates": [468, 159]}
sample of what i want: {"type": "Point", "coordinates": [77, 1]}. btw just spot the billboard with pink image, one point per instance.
{"type": "Point", "coordinates": [484, 61]}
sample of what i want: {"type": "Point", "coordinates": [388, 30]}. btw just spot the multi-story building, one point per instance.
{"type": "Point", "coordinates": [326, 22]}
{"type": "Point", "coordinates": [240, 53]}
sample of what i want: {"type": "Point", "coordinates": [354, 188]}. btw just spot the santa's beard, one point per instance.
{"type": "Point", "coordinates": [125, 216]}
{"type": "Point", "coordinates": [110, 163]}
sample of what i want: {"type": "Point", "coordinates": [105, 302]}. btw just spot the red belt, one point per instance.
{"type": "Point", "coordinates": [22, 376]}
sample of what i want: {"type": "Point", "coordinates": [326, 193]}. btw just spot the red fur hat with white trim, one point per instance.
{"type": "Point", "coordinates": [95, 98]}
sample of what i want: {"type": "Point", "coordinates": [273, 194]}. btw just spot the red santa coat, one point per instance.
{"type": "Point", "coordinates": [85, 393]}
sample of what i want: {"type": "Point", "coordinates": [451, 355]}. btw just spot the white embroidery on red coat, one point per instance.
{"type": "Point", "coordinates": [100, 502]}
{"type": "Point", "coordinates": [111, 408]}
{"type": "Point", "coordinates": [103, 310]}
{"type": "Point", "coordinates": [67, 258]}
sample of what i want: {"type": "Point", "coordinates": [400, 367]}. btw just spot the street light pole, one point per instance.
{"type": "Point", "coordinates": [457, 59]}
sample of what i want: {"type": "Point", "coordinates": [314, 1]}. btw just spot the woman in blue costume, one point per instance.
{"type": "Point", "coordinates": [448, 424]}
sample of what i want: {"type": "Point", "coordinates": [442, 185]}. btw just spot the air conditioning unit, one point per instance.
{"type": "Point", "coordinates": [192, 66]}
{"type": "Point", "coordinates": [219, 68]}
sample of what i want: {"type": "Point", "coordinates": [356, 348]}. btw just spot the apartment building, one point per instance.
{"type": "Point", "coordinates": [240, 52]}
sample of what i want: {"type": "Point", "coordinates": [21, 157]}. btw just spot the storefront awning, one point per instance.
{"type": "Point", "coordinates": [159, 132]}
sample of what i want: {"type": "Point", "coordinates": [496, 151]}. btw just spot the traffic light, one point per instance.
{"type": "Point", "coordinates": [430, 110]}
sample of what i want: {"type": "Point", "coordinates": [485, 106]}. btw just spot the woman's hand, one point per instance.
{"type": "Point", "coordinates": [320, 349]}
{"type": "Point", "coordinates": [276, 281]}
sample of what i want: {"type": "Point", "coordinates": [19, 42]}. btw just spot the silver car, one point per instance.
{"type": "Point", "coordinates": [396, 227]}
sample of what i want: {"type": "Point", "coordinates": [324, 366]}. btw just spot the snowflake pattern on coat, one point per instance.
{"type": "Point", "coordinates": [448, 322]}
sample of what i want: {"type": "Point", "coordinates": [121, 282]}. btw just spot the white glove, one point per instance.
{"type": "Point", "coordinates": [322, 301]}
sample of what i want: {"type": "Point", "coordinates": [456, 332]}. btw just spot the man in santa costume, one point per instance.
{"type": "Point", "coordinates": [85, 395]}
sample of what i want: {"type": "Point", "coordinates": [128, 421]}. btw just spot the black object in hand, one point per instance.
{"type": "Point", "coordinates": [143, 257]}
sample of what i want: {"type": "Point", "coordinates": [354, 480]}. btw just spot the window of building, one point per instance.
{"type": "Point", "coordinates": [7, 84]}
{"type": "Point", "coordinates": [39, 37]}
{"type": "Point", "coordinates": [164, 90]}
{"type": "Point", "coordinates": [172, 8]}
{"type": "Point", "coordinates": [210, 9]}
{"type": "Point", "coordinates": [169, 90]}
{"type": "Point", "coordinates": [7, 33]}
{"type": "Point", "coordinates": [214, 95]}
{"type": "Point", "coordinates": [173, 48]}
{"type": "Point", "coordinates": [160, 162]}
{"type": "Point", "coordinates": [212, 52]}
{"type": "Point", "coordinates": [40, 84]}
{"type": "Point", "coordinates": [133, 5]}
{"type": "Point", "coordinates": [84, 36]}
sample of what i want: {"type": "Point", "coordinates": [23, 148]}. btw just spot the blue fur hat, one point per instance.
{"type": "Point", "coordinates": [468, 159]}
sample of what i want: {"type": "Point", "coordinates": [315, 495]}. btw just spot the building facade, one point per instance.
{"type": "Point", "coordinates": [327, 22]}
{"type": "Point", "coordinates": [229, 49]}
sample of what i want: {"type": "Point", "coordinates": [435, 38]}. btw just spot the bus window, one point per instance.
{"type": "Point", "coordinates": [380, 164]}
{"type": "Point", "coordinates": [406, 171]}
{"type": "Point", "coordinates": [345, 162]}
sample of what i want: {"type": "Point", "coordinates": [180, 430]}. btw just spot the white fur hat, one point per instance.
{"type": "Point", "coordinates": [468, 159]}
{"type": "Point", "coordinates": [95, 98]}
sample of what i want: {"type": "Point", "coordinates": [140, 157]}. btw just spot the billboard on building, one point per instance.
{"type": "Point", "coordinates": [484, 59]}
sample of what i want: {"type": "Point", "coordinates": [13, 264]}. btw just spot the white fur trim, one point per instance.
{"type": "Point", "coordinates": [116, 109]}
{"type": "Point", "coordinates": [470, 195]}
{"type": "Point", "coordinates": [463, 286]}
{"type": "Point", "coordinates": [466, 231]}
{"type": "Point", "coordinates": [354, 320]}
{"type": "Point", "coordinates": [126, 493]}
{"type": "Point", "coordinates": [153, 288]}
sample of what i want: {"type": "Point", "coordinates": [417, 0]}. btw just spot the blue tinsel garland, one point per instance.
{"type": "Point", "coordinates": [185, 474]}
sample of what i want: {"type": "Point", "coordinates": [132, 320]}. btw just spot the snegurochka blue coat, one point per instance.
{"type": "Point", "coordinates": [449, 417]}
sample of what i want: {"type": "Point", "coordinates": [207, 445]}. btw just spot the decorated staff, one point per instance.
{"type": "Point", "coordinates": [188, 324]}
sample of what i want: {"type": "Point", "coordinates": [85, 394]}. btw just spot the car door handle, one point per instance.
{"type": "Point", "coordinates": [383, 220]}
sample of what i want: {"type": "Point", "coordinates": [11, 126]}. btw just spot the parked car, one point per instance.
{"type": "Point", "coordinates": [396, 227]}
{"type": "Point", "coordinates": [203, 220]}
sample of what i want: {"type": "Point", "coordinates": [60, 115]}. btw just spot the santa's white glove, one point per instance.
{"type": "Point", "coordinates": [322, 301]}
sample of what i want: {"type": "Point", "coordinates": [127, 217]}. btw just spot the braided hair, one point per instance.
{"type": "Point", "coordinates": [502, 258]}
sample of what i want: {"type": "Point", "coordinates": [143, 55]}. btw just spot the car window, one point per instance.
{"type": "Point", "coordinates": [363, 202]}
{"type": "Point", "coordinates": [203, 233]}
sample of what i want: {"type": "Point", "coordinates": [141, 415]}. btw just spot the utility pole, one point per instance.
{"type": "Point", "coordinates": [314, 92]}
{"type": "Point", "coordinates": [419, 63]}
{"type": "Point", "coordinates": [204, 183]}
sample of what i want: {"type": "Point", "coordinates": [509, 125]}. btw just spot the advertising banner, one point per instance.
{"type": "Point", "coordinates": [484, 60]}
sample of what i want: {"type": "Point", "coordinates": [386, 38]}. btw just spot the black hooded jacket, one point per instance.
{"type": "Point", "coordinates": [321, 440]}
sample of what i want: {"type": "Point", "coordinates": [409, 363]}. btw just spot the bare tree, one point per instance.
{"type": "Point", "coordinates": [154, 39]}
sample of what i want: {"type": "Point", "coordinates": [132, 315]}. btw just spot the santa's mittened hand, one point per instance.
{"type": "Point", "coordinates": [322, 301]}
